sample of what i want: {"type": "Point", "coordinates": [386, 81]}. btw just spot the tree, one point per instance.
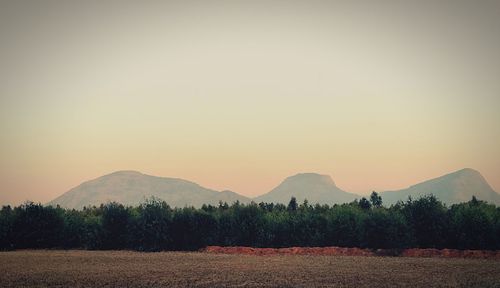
{"type": "Point", "coordinates": [93, 234]}
{"type": "Point", "coordinates": [115, 226]}
{"type": "Point", "coordinates": [192, 229]}
{"type": "Point", "coordinates": [428, 220]}
{"type": "Point", "coordinates": [36, 226]}
{"type": "Point", "coordinates": [223, 205]}
{"type": "Point", "coordinates": [472, 225]}
{"type": "Point", "coordinates": [74, 229]}
{"type": "Point", "coordinates": [385, 229]}
{"type": "Point", "coordinates": [292, 205]}
{"type": "Point", "coordinates": [6, 225]}
{"type": "Point", "coordinates": [344, 226]}
{"type": "Point", "coordinates": [153, 226]}
{"type": "Point", "coordinates": [305, 205]}
{"type": "Point", "coordinates": [247, 224]}
{"type": "Point", "coordinates": [364, 204]}
{"type": "Point", "coordinates": [375, 199]}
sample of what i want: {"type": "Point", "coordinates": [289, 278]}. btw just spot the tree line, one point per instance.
{"type": "Point", "coordinates": [154, 226]}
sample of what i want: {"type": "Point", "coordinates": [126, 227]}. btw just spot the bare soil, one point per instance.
{"type": "Point", "coordinates": [200, 269]}
{"type": "Point", "coordinates": [344, 251]}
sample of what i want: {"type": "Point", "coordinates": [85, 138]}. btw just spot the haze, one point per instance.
{"type": "Point", "coordinates": [241, 94]}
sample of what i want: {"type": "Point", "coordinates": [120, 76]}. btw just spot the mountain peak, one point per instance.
{"type": "Point", "coordinates": [311, 178]}
{"type": "Point", "coordinates": [314, 187]}
{"type": "Point", "coordinates": [467, 169]}
{"type": "Point", "coordinates": [124, 172]}
{"type": "Point", "coordinates": [228, 192]}
{"type": "Point", "coordinates": [455, 187]}
{"type": "Point", "coordinates": [466, 172]}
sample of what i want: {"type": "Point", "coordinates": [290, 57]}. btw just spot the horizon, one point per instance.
{"type": "Point", "coordinates": [238, 96]}
{"type": "Point", "coordinates": [262, 193]}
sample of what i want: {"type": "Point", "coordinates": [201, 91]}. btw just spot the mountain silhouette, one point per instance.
{"type": "Point", "coordinates": [132, 188]}
{"type": "Point", "coordinates": [451, 188]}
{"type": "Point", "coordinates": [314, 187]}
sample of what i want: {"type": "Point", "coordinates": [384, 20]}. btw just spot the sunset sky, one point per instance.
{"type": "Point", "coordinates": [239, 95]}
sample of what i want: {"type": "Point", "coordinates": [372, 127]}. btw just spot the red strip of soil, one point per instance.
{"type": "Point", "coordinates": [344, 251]}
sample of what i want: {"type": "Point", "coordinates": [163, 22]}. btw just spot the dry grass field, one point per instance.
{"type": "Point", "coordinates": [182, 269]}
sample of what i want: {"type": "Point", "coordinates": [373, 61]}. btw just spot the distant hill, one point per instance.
{"type": "Point", "coordinates": [452, 188]}
{"type": "Point", "coordinates": [314, 187]}
{"type": "Point", "coordinates": [132, 188]}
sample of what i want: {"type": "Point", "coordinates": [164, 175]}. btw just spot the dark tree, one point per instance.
{"type": "Point", "coordinates": [153, 226]}
{"type": "Point", "coordinates": [6, 226]}
{"type": "Point", "coordinates": [383, 229]}
{"type": "Point", "coordinates": [74, 229]}
{"type": "Point", "coordinates": [115, 226]}
{"type": "Point", "coordinates": [428, 218]}
{"type": "Point", "coordinates": [36, 226]}
{"type": "Point", "coordinates": [344, 226]}
{"type": "Point", "coordinates": [365, 204]}
{"type": "Point", "coordinates": [193, 229]}
{"type": "Point", "coordinates": [292, 205]}
{"type": "Point", "coordinates": [375, 199]}
{"type": "Point", "coordinates": [472, 225]}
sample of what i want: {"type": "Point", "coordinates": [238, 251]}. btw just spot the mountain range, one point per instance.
{"type": "Point", "coordinates": [132, 188]}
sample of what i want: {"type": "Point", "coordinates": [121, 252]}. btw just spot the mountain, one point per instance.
{"type": "Point", "coordinates": [132, 188]}
{"type": "Point", "coordinates": [314, 187]}
{"type": "Point", "coordinates": [452, 188]}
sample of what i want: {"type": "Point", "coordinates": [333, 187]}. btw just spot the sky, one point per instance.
{"type": "Point", "coordinates": [238, 95]}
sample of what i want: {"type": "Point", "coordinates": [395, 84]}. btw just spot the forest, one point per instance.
{"type": "Point", "coordinates": [154, 226]}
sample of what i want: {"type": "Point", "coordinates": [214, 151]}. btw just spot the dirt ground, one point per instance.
{"type": "Point", "coordinates": [344, 251]}
{"type": "Point", "coordinates": [200, 269]}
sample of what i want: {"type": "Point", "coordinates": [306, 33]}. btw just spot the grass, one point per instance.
{"type": "Point", "coordinates": [193, 269]}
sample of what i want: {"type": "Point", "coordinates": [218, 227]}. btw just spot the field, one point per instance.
{"type": "Point", "coordinates": [196, 269]}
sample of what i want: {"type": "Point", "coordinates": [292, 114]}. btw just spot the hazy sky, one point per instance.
{"type": "Point", "coordinates": [240, 94]}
